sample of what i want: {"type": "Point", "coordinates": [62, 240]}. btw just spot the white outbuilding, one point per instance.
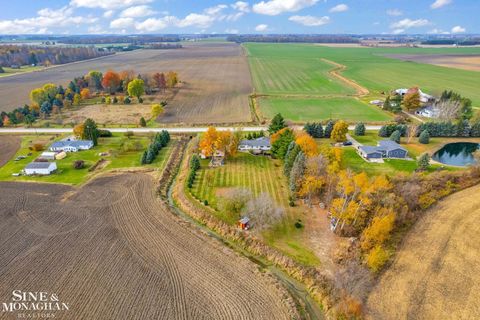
{"type": "Point", "coordinates": [40, 168]}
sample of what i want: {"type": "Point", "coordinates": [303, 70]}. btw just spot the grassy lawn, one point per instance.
{"type": "Point", "coordinates": [370, 138]}
{"type": "Point", "coordinates": [10, 71]}
{"type": "Point", "coordinates": [369, 67]}
{"type": "Point", "coordinates": [304, 110]}
{"type": "Point", "coordinates": [390, 167]}
{"type": "Point", "coordinates": [258, 174]}
{"type": "Point", "coordinates": [117, 158]}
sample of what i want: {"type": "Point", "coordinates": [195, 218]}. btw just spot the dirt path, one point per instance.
{"type": "Point", "coordinates": [436, 274]}
{"type": "Point", "coordinates": [113, 251]}
{"type": "Point", "coordinates": [336, 73]}
{"type": "Point", "coordinates": [9, 145]}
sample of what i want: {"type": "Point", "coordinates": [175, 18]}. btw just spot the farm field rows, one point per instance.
{"type": "Point", "coordinates": [8, 146]}
{"type": "Point", "coordinates": [255, 173]}
{"type": "Point", "coordinates": [215, 88]}
{"type": "Point", "coordinates": [111, 250]}
{"type": "Point", "coordinates": [297, 70]}
{"type": "Point", "coordinates": [435, 274]}
{"type": "Point", "coordinates": [116, 158]}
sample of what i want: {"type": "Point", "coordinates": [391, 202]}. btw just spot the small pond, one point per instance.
{"type": "Point", "coordinates": [456, 154]}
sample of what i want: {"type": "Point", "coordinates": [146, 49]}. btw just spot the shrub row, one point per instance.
{"type": "Point", "coordinates": [159, 142]}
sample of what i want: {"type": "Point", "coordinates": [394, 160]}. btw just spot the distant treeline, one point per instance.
{"type": "Point", "coordinates": [36, 55]}
{"type": "Point", "coordinates": [293, 38]}
{"type": "Point", "coordinates": [140, 39]}
{"type": "Point", "coordinates": [164, 46]}
{"type": "Point", "coordinates": [471, 42]}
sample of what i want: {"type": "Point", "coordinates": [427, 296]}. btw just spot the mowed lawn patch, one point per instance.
{"type": "Point", "coordinates": [116, 158]}
{"type": "Point", "coordinates": [303, 110]}
{"type": "Point", "coordinates": [258, 174]}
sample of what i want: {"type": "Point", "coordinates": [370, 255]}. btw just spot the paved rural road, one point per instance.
{"type": "Point", "coordinates": [146, 130]}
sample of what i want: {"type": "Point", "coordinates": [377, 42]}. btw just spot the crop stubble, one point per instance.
{"type": "Point", "coordinates": [217, 81]}
{"type": "Point", "coordinates": [436, 274]}
{"type": "Point", "coordinates": [113, 251]}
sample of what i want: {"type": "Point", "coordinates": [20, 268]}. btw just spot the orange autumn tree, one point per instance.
{"type": "Point", "coordinates": [207, 142]}
{"type": "Point", "coordinates": [111, 81]}
{"type": "Point", "coordinates": [85, 93]}
{"type": "Point", "coordinates": [78, 130]}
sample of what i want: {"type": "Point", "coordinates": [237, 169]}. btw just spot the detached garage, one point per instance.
{"type": "Point", "coordinates": [40, 168]}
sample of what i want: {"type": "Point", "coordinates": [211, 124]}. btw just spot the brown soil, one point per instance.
{"type": "Point", "coordinates": [436, 273]}
{"type": "Point", "coordinates": [9, 145]}
{"type": "Point", "coordinates": [113, 251]}
{"type": "Point", "coordinates": [215, 90]}
{"type": "Point", "coordinates": [336, 73]}
{"type": "Point", "coordinates": [108, 114]}
{"type": "Point", "coordinates": [465, 62]}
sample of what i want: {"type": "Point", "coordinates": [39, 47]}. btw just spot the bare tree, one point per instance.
{"type": "Point", "coordinates": [264, 212]}
{"type": "Point", "coordinates": [449, 109]}
{"type": "Point", "coordinates": [411, 132]}
{"type": "Point", "coordinates": [234, 200]}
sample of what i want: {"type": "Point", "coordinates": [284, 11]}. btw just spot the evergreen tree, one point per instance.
{"type": "Point", "coordinates": [308, 128]}
{"type": "Point", "coordinates": [150, 156]}
{"type": "Point", "coordinates": [297, 172]}
{"type": "Point", "coordinates": [290, 158]}
{"type": "Point", "coordinates": [423, 161]}
{"type": "Point", "coordinates": [329, 128]}
{"type": "Point", "coordinates": [277, 124]}
{"type": "Point", "coordinates": [280, 146]}
{"type": "Point", "coordinates": [360, 129]}
{"type": "Point", "coordinates": [475, 130]}
{"type": "Point", "coordinates": [318, 130]}
{"type": "Point", "coordinates": [424, 137]}
{"type": "Point", "coordinates": [90, 131]}
{"type": "Point", "coordinates": [395, 136]}
{"type": "Point", "coordinates": [143, 123]}
{"type": "Point", "coordinates": [386, 104]}
{"type": "Point", "coordinates": [144, 158]}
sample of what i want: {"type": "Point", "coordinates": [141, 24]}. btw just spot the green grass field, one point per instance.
{"type": "Point", "coordinates": [24, 69]}
{"type": "Point", "coordinates": [367, 66]}
{"type": "Point", "coordinates": [285, 75]}
{"type": "Point", "coordinates": [68, 175]}
{"type": "Point", "coordinates": [304, 110]}
{"type": "Point", "coordinates": [258, 174]}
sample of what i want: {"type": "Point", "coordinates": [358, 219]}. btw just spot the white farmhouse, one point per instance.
{"type": "Point", "coordinates": [40, 168]}
{"type": "Point", "coordinates": [71, 146]}
{"type": "Point", "coordinates": [259, 145]}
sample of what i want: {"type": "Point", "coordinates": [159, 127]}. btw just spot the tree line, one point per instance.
{"type": "Point", "coordinates": [160, 140]}
{"type": "Point", "coordinates": [51, 99]}
{"type": "Point", "coordinates": [292, 38]}
{"type": "Point", "coordinates": [46, 56]}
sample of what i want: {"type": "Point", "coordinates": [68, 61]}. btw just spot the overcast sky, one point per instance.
{"type": "Point", "coordinates": [211, 16]}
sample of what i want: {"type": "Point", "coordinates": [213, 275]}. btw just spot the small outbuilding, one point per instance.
{"type": "Point", "coordinates": [244, 223]}
{"type": "Point", "coordinates": [48, 155]}
{"type": "Point", "coordinates": [40, 168]}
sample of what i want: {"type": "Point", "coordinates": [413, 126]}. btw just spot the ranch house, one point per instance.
{"type": "Point", "coordinates": [386, 149]}
{"type": "Point", "coordinates": [40, 168]}
{"type": "Point", "coordinates": [71, 146]}
{"type": "Point", "coordinates": [258, 146]}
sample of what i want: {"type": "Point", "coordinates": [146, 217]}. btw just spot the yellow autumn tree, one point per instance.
{"type": "Point", "coordinates": [379, 229]}
{"type": "Point", "coordinates": [78, 130]}
{"type": "Point", "coordinates": [376, 258]}
{"type": "Point", "coordinates": [340, 130]}
{"type": "Point", "coordinates": [208, 142]}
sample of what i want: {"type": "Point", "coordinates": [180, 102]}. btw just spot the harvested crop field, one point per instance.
{"type": "Point", "coordinates": [215, 90]}
{"type": "Point", "coordinates": [109, 114]}
{"type": "Point", "coordinates": [8, 147]}
{"type": "Point", "coordinates": [436, 274]}
{"type": "Point", "coordinates": [111, 250]}
{"type": "Point", "coordinates": [465, 62]}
